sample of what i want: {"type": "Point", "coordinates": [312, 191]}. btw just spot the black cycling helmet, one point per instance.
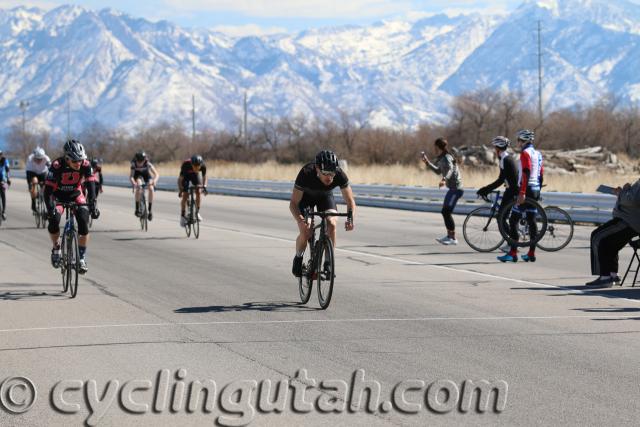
{"type": "Point", "coordinates": [74, 151]}
{"type": "Point", "coordinates": [140, 155]}
{"type": "Point", "coordinates": [327, 161]}
{"type": "Point", "coordinates": [95, 162]}
{"type": "Point", "coordinates": [197, 159]}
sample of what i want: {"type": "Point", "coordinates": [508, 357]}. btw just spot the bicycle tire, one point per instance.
{"type": "Point", "coordinates": [1, 183]}
{"type": "Point", "coordinates": [63, 263]}
{"type": "Point", "coordinates": [36, 214]}
{"type": "Point", "coordinates": [541, 219]}
{"type": "Point", "coordinates": [74, 263]}
{"type": "Point", "coordinates": [305, 281]}
{"type": "Point", "coordinates": [325, 255]}
{"type": "Point", "coordinates": [488, 223]}
{"type": "Point", "coordinates": [196, 226]}
{"type": "Point", "coordinates": [43, 209]}
{"type": "Point", "coordinates": [556, 219]}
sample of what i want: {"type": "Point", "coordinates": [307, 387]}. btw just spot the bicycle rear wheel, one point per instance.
{"type": "Point", "coordinates": [480, 230]}
{"type": "Point", "coordinates": [36, 214]}
{"type": "Point", "coordinates": [305, 281]}
{"type": "Point", "coordinates": [523, 237]}
{"type": "Point", "coordinates": [324, 272]}
{"type": "Point", "coordinates": [42, 210]}
{"type": "Point", "coordinates": [559, 230]}
{"type": "Point", "coordinates": [73, 263]}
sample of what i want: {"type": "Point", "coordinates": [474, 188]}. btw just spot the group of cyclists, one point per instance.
{"type": "Point", "coordinates": [73, 178]}
{"type": "Point", "coordinates": [522, 181]}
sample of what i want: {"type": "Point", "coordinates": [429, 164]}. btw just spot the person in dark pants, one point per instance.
{"type": "Point", "coordinates": [447, 167]}
{"type": "Point", "coordinates": [4, 177]}
{"type": "Point", "coordinates": [610, 237]}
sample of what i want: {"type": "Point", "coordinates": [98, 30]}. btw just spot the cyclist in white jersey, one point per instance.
{"type": "Point", "coordinates": [37, 167]}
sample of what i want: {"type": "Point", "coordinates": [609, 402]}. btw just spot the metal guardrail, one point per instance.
{"type": "Point", "coordinates": [590, 208]}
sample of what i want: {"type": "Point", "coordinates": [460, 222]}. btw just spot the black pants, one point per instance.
{"type": "Point", "coordinates": [606, 242]}
{"type": "Point", "coordinates": [530, 213]}
{"type": "Point", "coordinates": [3, 197]}
{"type": "Point", "coordinates": [450, 201]}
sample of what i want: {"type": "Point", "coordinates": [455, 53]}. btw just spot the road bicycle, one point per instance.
{"type": "Point", "coordinates": [482, 232]}
{"type": "Point", "coordinates": [69, 251]}
{"type": "Point", "coordinates": [40, 214]}
{"type": "Point", "coordinates": [143, 210]}
{"type": "Point", "coordinates": [192, 222]}
{"type": "Point", "coordinates": [318, 263]}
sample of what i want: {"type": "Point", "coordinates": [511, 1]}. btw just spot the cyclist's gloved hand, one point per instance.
{"type": "Point", "coordinates": [8, 181]}
{"type": "Point", "coordinates": [179, 194]}
{"type": "Point", "coordinates": [204, 190]}
{"type": "Point", "coordinates": [482, 192]}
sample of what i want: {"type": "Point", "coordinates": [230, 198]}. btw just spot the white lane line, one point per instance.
{"type": "Point", "coordinates": [298, 321]}
{"type": "Point", "coordinates": [441, 267]}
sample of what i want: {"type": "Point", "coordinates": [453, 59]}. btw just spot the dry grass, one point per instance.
{"type": "Point", "coordinates": [391, 174]}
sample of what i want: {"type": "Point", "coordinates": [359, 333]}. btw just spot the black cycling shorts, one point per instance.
{"type": "Point", "coordinates": [322, 203]}
{"type": "Point", "coordinates": [41, 177]}
{"type": "Point", "coordinates": [191, 178]}
{"type": "Point", "coordinates": [146, 176]}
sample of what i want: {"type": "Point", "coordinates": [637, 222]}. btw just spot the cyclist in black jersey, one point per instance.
{"type": "Point", "coordinates": [193, 172]}
{"type": "Point", "coordinates": [508, 173]}
{"type": "Point", "coordinates": [314, 188]}
{"type": "Point", "coordinates": [143, 170]}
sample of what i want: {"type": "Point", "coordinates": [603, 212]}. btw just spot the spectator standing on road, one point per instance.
{"type": "Point", "coordinates": [446, 166]}
{"type": "Point", "coordinates": [4, 177]}
{"type": "Point", "coordinates": [610, 237]}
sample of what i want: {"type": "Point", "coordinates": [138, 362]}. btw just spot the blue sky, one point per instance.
{"type": "Point", "coordinates": [241, 17]}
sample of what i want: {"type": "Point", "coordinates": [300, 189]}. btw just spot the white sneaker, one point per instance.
{"type": "Point", "coordinates": [183, 221]}
{"type": "Point", "coordinates": [442, 239]}
{"type": "Point", "coordinates": [199, 217]}
{"type": "Point", "coordinates": [448, 241]}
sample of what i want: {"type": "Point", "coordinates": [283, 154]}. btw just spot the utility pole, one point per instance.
{"type": "Point", "coordinates": [193, 119]}
{"type": "Point", "coordinates": [23, 106]}
{"type": "Point", "coordinates": [244, 122]}
{"type": "Point", "coordinates": [539, 72]}
{"type": "Point", "coordinates": [68, 117]}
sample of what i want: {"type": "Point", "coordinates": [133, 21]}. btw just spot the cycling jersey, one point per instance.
{"type": "Point", "coordinates": [531, 169]}
{"type": "Point", "coordinates": [4, 169]}
{"type": "Point", "coordinates": [315, 192]}
{"type": "Point", "coordinates": [38, 168]}
{"type": "Point", "coordinates": [508, 175]}
{"type": "Point", "coordinates": [65, 183]}
{"type": "Point", "coordinates": [187, 169]}
{"type": "Point", "coordinates": [141, 171]}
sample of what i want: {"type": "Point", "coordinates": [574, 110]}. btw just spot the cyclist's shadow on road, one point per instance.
{"type": "Point", "coordinates": [31, 295]}
{"type": "Point", "coordinates": [279, 306]}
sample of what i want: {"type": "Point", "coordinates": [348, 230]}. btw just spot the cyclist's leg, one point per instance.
{"type": "Point", "coordinates": [531, 219]}
{"type": "Point", "coordinates": [54, 226]}
{"type": "Point", "coordinates": [3, 197]}
{"type": "Point", "coordinates": [149, 191]}
{"type": "Point", "coordinates": [301, 240]}
{"type": "Point", "coordinates": [32, 180]}
{"type": "Point", "coordinates": [185, 194]}
{"type": "Point", "coordinates": [198, 178]}
{"type": "Point", "coordinates": [326, 203]}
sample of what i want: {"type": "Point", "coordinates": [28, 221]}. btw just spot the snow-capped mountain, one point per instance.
{"type": "Point", "coordinates": [123, 71]}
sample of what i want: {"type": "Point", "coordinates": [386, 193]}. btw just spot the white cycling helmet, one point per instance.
{"type": "Point", "coordinates": [38, 153]}
{"type": "Point", "coordinates": [501, 142]}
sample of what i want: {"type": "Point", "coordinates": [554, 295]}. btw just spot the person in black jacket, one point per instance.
{"type": "Point", "coordinates": [508, 173]}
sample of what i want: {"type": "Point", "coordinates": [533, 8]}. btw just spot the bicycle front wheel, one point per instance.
{"type": "Point", "coordinates": [325, 272]}
{"type": "Point", "coordinates": [64, 254]}
{"type": "Point", "coordinates": [480, 230]}
{"type": "Point", "coordinates": [519, 217]}
{"type": "Point", "coordinates": [559, 230]}
{"type": "Point", "coordinates": [196, 226]}
{"type": "Point", "coordinates": [73, 263]}
{"type": "Point", "coordinates": [42, 209]}
{"type": "Point", "coordinates": [305, 281]}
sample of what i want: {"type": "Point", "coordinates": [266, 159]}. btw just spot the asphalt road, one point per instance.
{"type": "Point", "coordinates": [226, 308]}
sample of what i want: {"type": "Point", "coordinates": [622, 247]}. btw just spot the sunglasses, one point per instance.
{"type": "Point", "coordinates": [328, 173]}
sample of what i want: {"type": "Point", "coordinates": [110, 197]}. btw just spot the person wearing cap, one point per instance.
{"type": "Point", "coordinates": [314, 188]}
{"type": "Point", "coordinates": [610, 237]}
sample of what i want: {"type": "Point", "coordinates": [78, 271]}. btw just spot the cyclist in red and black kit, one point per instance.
{"type": "Point", "coordinates": [314, 188]}
{"type": "Point", "coordinates": [64, 184]}
{"type": "Point", "coordinates": [143, 170]}
{"type": "Point", "coordinates": [96, 167]}
{"type": "Point", "coordinates": [192, 171]}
